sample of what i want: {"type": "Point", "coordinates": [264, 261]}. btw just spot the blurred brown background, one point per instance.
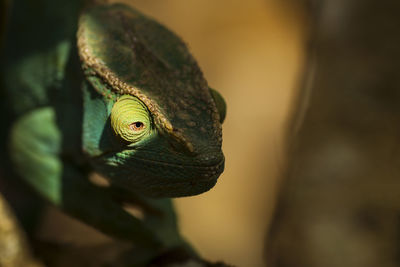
{"type": "Point", "coordinates": [250, 51]}
{"type": "Point", "coordinates": [338, 204]}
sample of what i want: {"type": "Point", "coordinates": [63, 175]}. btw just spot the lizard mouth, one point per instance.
{"type": "Point", "coordinates": [209, 166]}
{"type": "Point", "coordinates": [156, 175]}
{"type": "Point", "coordinates": [203, 178]}
{"type": "Point", "coordinates": [203, 170]}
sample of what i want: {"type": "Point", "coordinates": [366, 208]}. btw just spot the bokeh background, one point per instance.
{"type": "Point", "coordinates": [250, 51]}
{"type": "Point", "coordinates": [339, 202]}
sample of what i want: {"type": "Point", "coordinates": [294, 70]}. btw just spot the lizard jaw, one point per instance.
{"type": "Point", "coordinates": [156, 178]}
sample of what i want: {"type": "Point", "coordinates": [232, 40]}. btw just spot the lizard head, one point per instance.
{"type": "Point", "coordinates": [151, 123]}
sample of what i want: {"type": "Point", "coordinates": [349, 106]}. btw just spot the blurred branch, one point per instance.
{"type": "Point", "coordinates": [339, 203]}
{"type": "Point", "coordinates": [14, 250]}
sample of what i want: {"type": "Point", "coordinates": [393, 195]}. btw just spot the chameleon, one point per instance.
{"type": "Point", "coordinates": [97, 87]}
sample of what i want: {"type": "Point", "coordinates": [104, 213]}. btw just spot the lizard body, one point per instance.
{"type": "Point", "coordinates": [115, 93]}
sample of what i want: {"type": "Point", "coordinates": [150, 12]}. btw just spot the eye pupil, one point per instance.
{"type": "Point", "coordinates": [137, 126]}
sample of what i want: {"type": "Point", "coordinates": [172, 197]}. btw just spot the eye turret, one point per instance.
{"type": "Point", "coordinates": [130, 119]}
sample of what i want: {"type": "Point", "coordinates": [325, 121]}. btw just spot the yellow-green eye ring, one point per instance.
{"type": "Point", "coordinates": [130, 119]}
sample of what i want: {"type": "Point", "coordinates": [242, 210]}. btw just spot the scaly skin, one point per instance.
{"type": "Point", "coordinates": [66, 97]}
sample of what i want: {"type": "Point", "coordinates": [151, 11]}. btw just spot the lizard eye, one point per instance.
{"type": "Point", "coordinates": [130, 119]}
{"type": "Point", "coordinates": [137, 126]}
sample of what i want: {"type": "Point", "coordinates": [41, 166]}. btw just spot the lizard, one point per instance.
{"type": "Point", "coordinates": [98, 87]}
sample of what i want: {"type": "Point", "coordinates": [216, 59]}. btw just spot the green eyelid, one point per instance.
{"type": "Point", "coordinates": [130, 119]}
